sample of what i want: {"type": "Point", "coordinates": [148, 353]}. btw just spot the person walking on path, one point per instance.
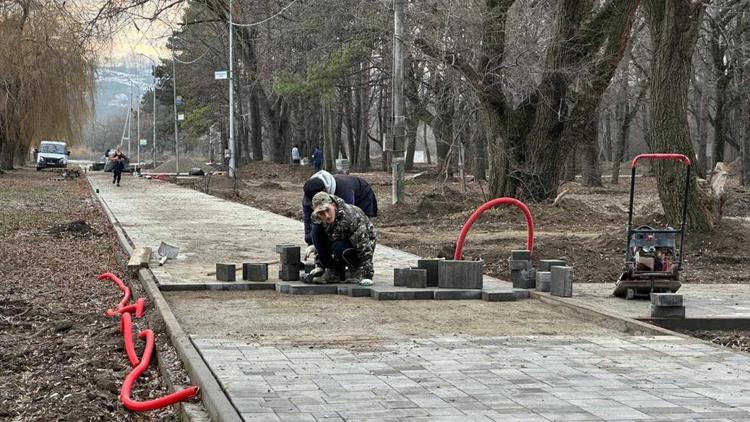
{"type": "Point", "coordinates": [346, 242]}
{"type": "Point", "coordinates": [295, 154]}
{"type": "Point", "coordinates": [317, 159]}
{"type": "Point", "coordinates": [118, 165]}
{"type": "Point", "coordinates": [352, 189]}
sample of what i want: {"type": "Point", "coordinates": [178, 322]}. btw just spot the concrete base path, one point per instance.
{"type": "Point", "coordinates": [609, 376]}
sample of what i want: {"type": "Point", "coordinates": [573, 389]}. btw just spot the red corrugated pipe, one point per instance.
{"type": "Point", "coordinates": [490, 204]}
{"type": "Point", "coordinates": [139, 308]}
{"type": "Point", "coordinates": [125, 289]}
{"type": "Point", "coordinates": [153, 404]}
{"type": "Point", "coordinates": [126, 327]}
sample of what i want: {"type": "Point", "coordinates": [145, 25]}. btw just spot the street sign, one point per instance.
{"type": "Point", "coordinates": [144, 142]}
{"type": "Point", "coordinates": [180, 116]}
{"type": "Point", "coordinates": [221, 74]}
{"type": "Point", "coordinates": [178, 101]}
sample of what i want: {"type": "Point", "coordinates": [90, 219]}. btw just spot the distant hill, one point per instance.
{"type": "Point", "coordinates": [114, 86]}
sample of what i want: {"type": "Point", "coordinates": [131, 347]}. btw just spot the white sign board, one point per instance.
{"type": "Point", "coordinates": [144, 142]}
{"type": "Point", "coordinates": [419, 157]}
{"type": "Point", "coordinates": [180, 116]}
{"type": "Point", "coordinates": [221, 74]}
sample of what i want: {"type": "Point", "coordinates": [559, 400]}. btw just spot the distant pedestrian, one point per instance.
{"type": "Point", "coordinates": [317, 158]}
{"type": "Point", "coordinates": [295, 154]}
{"type": "Point", "coordinates": [118, 164]}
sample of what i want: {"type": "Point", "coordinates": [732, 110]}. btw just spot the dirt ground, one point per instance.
{"type": "Point", "coordinates": [339, 321]}
{"type": "Point", "coordinates": [61, 358]}
{"type": "Point", "coordinates": [587, 227]}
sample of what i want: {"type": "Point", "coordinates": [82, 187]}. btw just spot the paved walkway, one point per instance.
{"type": "Point", "coordinates": [701, 300]}
{"type": "Point", "coordinates": [522, 378]}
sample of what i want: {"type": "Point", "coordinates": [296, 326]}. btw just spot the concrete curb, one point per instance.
{"type": "Point", "coordinates": [215, 400]}
{"type": "Point", "coordinates": [601, 317]}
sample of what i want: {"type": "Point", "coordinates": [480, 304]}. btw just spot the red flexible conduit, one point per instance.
{"type": "Point", "coordinates": [126, 326]}
{"type": "Point", "coordinates": [491, 204]}
{"type": "Point", "coordinates": [127, 386]}
{"type": "Point", "coordinates": [139, 365]}
{"type": "Point", "coordinates": [125, 289]}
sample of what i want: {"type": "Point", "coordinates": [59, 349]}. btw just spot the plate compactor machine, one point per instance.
{"type": "Point", "coordinates": [653, 259]}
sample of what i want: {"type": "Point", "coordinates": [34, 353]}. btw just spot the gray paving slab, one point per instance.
{"type": "Point", "coordinates": [700, 300]}
{"type": "Point", "coordinates": [545, 378]}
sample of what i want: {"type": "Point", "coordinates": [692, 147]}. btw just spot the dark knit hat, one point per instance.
{"type": "Point", "coordinates": [311, 187]}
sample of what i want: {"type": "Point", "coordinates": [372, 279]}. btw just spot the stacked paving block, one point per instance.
{"type": "Point", "coordinates": [255, 272]}
{"type": "Point", "coordinates": [415, 278]}
{"type": "Point", "coordinates": [289, 262]}
{"type": "Point", "coordinates": [561, 281]}
{"type": "Point", "coordinates": [460, 274]}
{"type": "Point", "coordinates": [522, 272]}
{"type": "Point", "coordinates": [225, 272]}
{"type": "Point", "coordinates": [543, 281]}
{"type": "Point", "coordinates": [667, 305]}
{"type": "Point", "coordinates": [431, 266]}
{"type": "Point", "coordinates": [546, 264]}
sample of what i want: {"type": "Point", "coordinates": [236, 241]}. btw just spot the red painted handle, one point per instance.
{"type": "Point", "coordinates": [493, 203]}
{"type": "Point", "coordinates": [677, 157]}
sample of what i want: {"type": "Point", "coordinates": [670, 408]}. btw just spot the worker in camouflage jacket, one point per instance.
{"type": "Point", "coordinates": [347, 242]}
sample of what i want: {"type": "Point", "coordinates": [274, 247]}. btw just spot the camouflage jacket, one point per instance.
{"type": "Point", "coordinates": [351, 224]}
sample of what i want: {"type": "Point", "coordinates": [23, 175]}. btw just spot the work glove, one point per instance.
{"type": "Point", "coordinates": [310, 253]}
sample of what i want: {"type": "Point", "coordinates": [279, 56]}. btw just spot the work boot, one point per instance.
{"type": "Point", "coordinates": [315, 272]}
{"type": "Point", "coordinates": [328, 277]}
{"type": "Point", "coordinates": [354, 276]}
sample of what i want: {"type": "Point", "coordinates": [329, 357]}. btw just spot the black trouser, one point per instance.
{"type": "Point", "coordinates": [336, 255]}
{"type": "Point", "coordinates": [116, 175]}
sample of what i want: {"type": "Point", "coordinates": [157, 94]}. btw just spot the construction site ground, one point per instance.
{"type": "Point", "coordinates": [286, 357]}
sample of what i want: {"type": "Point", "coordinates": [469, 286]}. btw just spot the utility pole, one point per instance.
{"type": "Point", "coordinates": [174, 108]}
{"type": "Point", "coordinates": [232, 162]}
{"type": "Point", "coordinates": [153, 126]}
{"type": "Point", "coordinates": [138, 128]}
{"type": "Point", "coordinates": [130, 110]}
{"type": "Point", "coordinates": [397, 158]}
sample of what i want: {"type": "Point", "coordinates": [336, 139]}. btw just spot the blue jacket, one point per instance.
{"type": "Point", "coordinates": [351, 189]}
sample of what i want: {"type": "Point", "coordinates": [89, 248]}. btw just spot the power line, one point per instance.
{"type": "Point", "coordinates": [266, 19]}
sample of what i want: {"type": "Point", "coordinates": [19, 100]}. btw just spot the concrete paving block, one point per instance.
{"type": "Point", "coordinates": [358, 291]}
{"type": "Point", "coordinates": [561, 283]}
{"type": "Point", "coordinates": [546, 264]}
{"type": "Point", "coordinates": [227, 286]}
{"type": "Point", "coordinates": [398, 277]}
{"type": "Point", "coordinates": [378, 294]}
{"type": "Point", "coordinates": [261, 285]}
{"type": "Point", "coordinates": [504, 295]}
{"type": "Point", "coordinates": [254, 272]}
{"type": "Point", "coordinates": [313, 289]}
{"type": "Point", "coordinates": [431, 265]}
{"type": "Point", "coordinates": [282, 288]}
{"type": "Point", "coordinates": [521, 293]}
{"type": "Point", "coordinates": [543, 280]}
{"type": "Point", "coordinates": [520, 255]}
{"type": "Point", "coordinates": [424, 294]}
{"type": "Point", "coordinates": [460, 274]}
{"type": "Point", "coordinates": [666, 299]}
{"type": "Point", "coordinates": [462, 294]}
{"type": "Point", "coordinates": [182, 287]}
{"type": "Point", "coordinates": [416, 278]}
{"type": "Point", "coordinates": [667, 311]}
{"type": "Point", "coordinates": [519, 265]}
{"type": "Point", "coordinates": [290, 255]}
{"type": "Point", "coordinates": [281, 247]}
{"type": "Point", "coordinates": [225, 272]}
{"type": "Point", "coordinates": [289, 272]}
{"type": "Point", "coordinates": [523, 279]}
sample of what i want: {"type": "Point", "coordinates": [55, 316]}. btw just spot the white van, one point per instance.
{"type": "Point", "coordinates": [52, 154]}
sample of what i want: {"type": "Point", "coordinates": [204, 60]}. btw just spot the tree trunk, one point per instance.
{"type": "Point", "coordinates": [327, 118]}
{"type": "Point", "coordinates": [674, 27]}
{"type": "Point", "coordinates": [607, 135]}
{"type": "Point", "coordinates": [256, 126]}
{"type": "Point", "coordinates": [571, 166]}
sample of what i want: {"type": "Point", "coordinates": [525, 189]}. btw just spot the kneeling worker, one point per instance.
{"type": "Point", "coordinates": [353, 190]}
{"type": "Point", "coordinates": [346, 241]}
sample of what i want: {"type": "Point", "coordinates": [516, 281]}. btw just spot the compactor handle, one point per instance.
{"type": "Point", "coordinates": [677, 157]}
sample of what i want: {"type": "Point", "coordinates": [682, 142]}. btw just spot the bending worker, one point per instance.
{"type": "Point", "coordinates": [345, 241]}
{"type": "Point", "coordinates": [351, 189]}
